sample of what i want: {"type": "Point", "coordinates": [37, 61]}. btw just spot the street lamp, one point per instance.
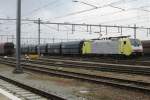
{"type": "Point", "coordinates": [18, 69]}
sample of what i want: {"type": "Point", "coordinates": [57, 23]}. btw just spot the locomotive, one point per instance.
{"type": "Point", "coordinates": [123, 46]}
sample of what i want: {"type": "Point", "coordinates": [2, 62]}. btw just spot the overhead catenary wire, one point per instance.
{"type": "Point", "coordinates": [91, 9]}
{"type": "Point", "coordinates": [112, 13]}
{"type": "Point", "coordinates": [130, 9]}
{"type": "Point", "coordinates": [44, 6]}
{"type": "Point", "coordinates": [96, 25]}
{"type": "Point", "coordinates": [42, 9]}
{"type": "Point", "coordinates": [117, 12]}
{"type": "Point", "coordinates": [47, 22]}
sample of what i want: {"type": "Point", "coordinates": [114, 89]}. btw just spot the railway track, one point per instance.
{"type": "Point", "coordinates": [25, 92]}
{"type": "Point", "coordinates": [107, 67]}
{"type": "Point", "coordinates": [145, 61]}
{"type": "Point", "coordinates": [119, 68]}
{"type": "Point", "coordinates": [117, 82]}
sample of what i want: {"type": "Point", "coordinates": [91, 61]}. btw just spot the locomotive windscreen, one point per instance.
{"type": "Point", "coordinates": [135, 42]}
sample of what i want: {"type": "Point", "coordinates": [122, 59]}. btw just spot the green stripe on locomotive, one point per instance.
{"type": "Point", "coordinates": [87, 48]}
{"type": "Point", "coordinates": [125, 47]}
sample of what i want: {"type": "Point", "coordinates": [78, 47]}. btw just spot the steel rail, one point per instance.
{"type": "Point", "coordinates": [107, 67]}
{"type": "Point", "coordinates": [141, 61]}
{"type": "Point", "coordinates": [31, 89]}
{"type": "Point", "coordinates": [121, 83]}
{"type": "Point", "coordinates": [134, 69]}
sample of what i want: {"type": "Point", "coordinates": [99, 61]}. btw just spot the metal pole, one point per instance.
{"type": "Point", "coordinates": [135, 31]}
{"type": "Point", "coordinates": [53, 40]}
{"type": "Point", "coordinates": [39, 36]}
{"type": "Point", "coordinates": [67, 36]}
{"type": "Point", "coordinates": [18, 31]}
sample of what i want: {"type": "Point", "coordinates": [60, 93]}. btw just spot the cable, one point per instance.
{"type": "Point", "coordinates": [44, 6]}
{"type": "Point", "coordinates": [117, 7]}
{"type": "Point", "coordinates": [50, 27]}
{"type": "Point", "coordinates": [125, 18]}
{"type": "Point", "coordinates": [91, 9]}
{"type": "Point", "coordinates": [117, 13]}
{"type": "Point", "coordinates": [141, 21]}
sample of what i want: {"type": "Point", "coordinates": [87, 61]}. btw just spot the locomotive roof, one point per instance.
{"type": "Point", "coordinates": [109, 38]}
{"type": "Point", "coordinates": [72, 42]}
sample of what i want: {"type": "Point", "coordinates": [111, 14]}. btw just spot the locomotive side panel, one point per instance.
{"type": "Point", "coordinates": [105, 47]}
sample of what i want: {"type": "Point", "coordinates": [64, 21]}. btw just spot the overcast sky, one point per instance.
{"type": "Point", "coordinates": [112, 12]}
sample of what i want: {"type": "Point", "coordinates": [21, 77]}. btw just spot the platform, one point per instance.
{"type": "Point", "coordinates": [3, 97]}
{"type": "Point", "coordinates": [71, 89]}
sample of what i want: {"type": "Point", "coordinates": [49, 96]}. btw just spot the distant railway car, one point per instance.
{"type": "Point", "coordinates": [54, 48]}
{"type": "Point", "coordinates": [7, 48]}
{"type": "Point", "coordinates": [24, 49]}
{"type": "Point", "coordinates": [32, 49]}
{"type": "Point", "coordinates": [146, 47]}
{"type": "Point", "coordinates": [72, 48]}
{"type": "Point", "coordinates": [43, 49]}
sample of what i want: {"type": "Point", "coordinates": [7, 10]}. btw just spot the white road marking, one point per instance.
{"type": "Point", "coordinates": [9, 95]}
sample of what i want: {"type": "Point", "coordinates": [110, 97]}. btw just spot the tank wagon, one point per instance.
{"type": "Point", "coordinates": [7, 48]}
{"type": "Point", "coordinates": [50, 48]}
{"type": "Point", "coordinates": [123, 46]}
{"type": "Point", "coordinates": [53, 49]}
{"type": "Point", "coordinates": [72, 48]}
{"type": "Point", "coordinates": [146, 47]}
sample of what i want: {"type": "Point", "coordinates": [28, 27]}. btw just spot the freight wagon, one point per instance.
{"type": "Point", "coordinates": [7, 48]}
{"type": "Point", "coordinates": [146, 47]}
